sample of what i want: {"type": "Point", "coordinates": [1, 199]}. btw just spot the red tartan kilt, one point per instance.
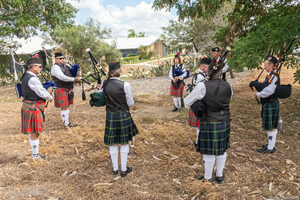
{"type": "Point", "coordinates": [193, 121]}
{"type": "Point", "coordinates": [61, 97]}
{"type": "Point", "coordinates": [32, 114]}
{"type": "Point", "coordinates": [176, 92]}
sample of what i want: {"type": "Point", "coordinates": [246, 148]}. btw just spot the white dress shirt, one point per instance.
{"type": "Point", "coordinates": [56, 71]}
{"type": "Point", "coordinates": [127, 90]}
{"type": "Point", "coordinates": [35, 84]}
{"type": "Point", "coordinates": [269, 90]}
{"type": "Point", "coordinates": [225, 68]}
{"type": "Point", "coordinates": [198, 93]}
{"type": "Point", "coordinates": [200, 77]}
{"type": "Point", "coordinates": [176, 66]}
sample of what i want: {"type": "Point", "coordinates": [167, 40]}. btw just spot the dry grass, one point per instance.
{"type": "Point", "coordinates": [162, 155]}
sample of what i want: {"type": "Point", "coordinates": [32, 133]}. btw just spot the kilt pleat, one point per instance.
{"type": "Point", "coordinates": [214, 138]}
{"type": "Point", "coordinates": [193, 121]}
{"type": "Point", "coordinates": [61, 97]}
{"type": "Point", "coordinates": [270, 115]}
{"type": "Point", "coordinates": [120, 128]}
{"type": "Point", "coordinates": [176, 92]}
{"type": "Point", "coordinates": [32, 114]}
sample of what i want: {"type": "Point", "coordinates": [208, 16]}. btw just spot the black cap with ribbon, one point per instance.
{"type": "Point", "coordinates": [215, 49]}
{"type": "Point", "coordinates": [205, 61]}
{"type": "Point", "coordinates": [58, 54]}
{"type": "Point", "coordinates": [272, 59]}
{"type": "Point", "coordinates": [114, 66]}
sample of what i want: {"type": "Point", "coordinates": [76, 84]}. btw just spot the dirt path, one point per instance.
{"type": "Point", "coordinates": [162, 155]}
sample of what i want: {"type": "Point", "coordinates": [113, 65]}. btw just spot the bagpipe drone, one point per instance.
{"type": "Point", "coordinates": [281, 91]}
{"type": "Point", "coordinates": [18, 86]}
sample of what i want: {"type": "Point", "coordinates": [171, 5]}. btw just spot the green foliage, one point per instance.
{"type": "Point", "coordinates": [24, 18]}
{"type": "Point", "coordinates": [141, 34]}
{"type": "Point", "coordinates": [133, 59]}
{"type": "Point", "coordinates": [131, 54]}
{"type": "Point", "coordinates": [144, 53]}
{"type": "Point", "coordinates": [132, 33]}
{"type": "Point", "coordinates": [76, 39]}
{"type": "Point", "coordinates": [137, 73]}
{"type": "Point", "coordinates": [161, 70]}
{"type": "Point", "coordinates": [256, 28]}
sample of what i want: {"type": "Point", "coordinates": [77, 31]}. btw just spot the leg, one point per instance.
{"type": "Point", "coordinates": [114, 152]}
{"type": "Point", "coordinates": [209, 162]}
{"type": "Point", "coordinates": [34, 143]}
{"type": "Point", "coordinates": [65, 113]}
{"type": "Point", "coordinates": [124, 151]}
{"type": "Point", "coordinates": [220, 162]}
{"type": "Point", "coordinates": [272, 139]}
{"type": "Point", "coordinates": [175, 104]}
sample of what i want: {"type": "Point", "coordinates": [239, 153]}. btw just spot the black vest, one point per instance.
{"type": "Point", "coordinates": [62, 84]}
{"type": "Point", "coordinates": [115, 96]}
{"type": "Point", "coordinates": [28, 93]}
{"type": "Point", "coordinates": [271, 98]}
{"type": "Point", "coordinates": [216, 106]}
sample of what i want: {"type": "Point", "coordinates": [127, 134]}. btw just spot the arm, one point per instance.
{"type": "Point", "coordinates": [269, 90]}
{"type": "Point", "coordinates": [128, 94]}
{"type": "Point", "coordinates": [56, 71]}
{"type": "Point", "coordinates": [198, 93]}
{"type": "Point", "coordinates": [184, 71]}
{"type": "Point", "coordinates": [170, 73]}
{"type": "Point", "coordinates": [35, 84]}
{"type": "Point", "coordinates": [101, 88]}
{"type": "Point", "coordinates": [231, 91]}
{"type": "Point", "coordinates": [225, 68]}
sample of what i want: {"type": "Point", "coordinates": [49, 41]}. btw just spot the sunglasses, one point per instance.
{"type": "Point", "coordinates": [61, 58]}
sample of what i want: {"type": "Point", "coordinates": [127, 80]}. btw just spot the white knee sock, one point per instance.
{"type": "Point", "coordinates": [34, 147]}
{"type": "Point", "coordinates": [175, 102]}
{"type": "Point", "coordinates": [114, 152]}
{"type": "Point", "coordinates": [179, 102]}
{"type": "Point", "coordinates": [209, 161]}
{"type": "Point", "coordinates": [197, 135]}
{"type": "Point", "coordinates": [124, 151]}
{"type": "Point", "coordinates": [220, 162]}
{"type": "Point", "coordinates": [65, 116]}
{"type": "Point", "coordinates": [272, 139]}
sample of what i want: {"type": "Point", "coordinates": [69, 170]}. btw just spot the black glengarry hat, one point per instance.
{"type": "Point", "coordinates": [215, 49]}
{"type": "Point", "coordinates": [34, 61]}
{"type": "Point", "coordinates": [58, 54]}
{"type": "Point", "coordinates": [272, 59]}
{"type": "Point", "coordinates": [205, 61]}
{"type": "Point", "coordinates": [178, 54]}
{"type": "Point", "coordinates": [114, 66]}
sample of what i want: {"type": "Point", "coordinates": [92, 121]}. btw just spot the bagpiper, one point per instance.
{"type": "Point", "coordinates": [214, 133]}
{"type": "Point", "coordinates": [32, 112]}
{"type": "Point", "coordinates": [270, 106]}
{"type": "Point", "coordinates": [217, 54]}
{"type": "Point", "coordinates": [176, 74]}
{"type": "Point", "coordinates": [63, 94]}
{"type": "Point", "coordinates": [199, 77]}
{"type": "Point", "coordinates": [120, 127]}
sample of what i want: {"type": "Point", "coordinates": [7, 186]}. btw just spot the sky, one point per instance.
{"type": "Point", "coordinates": [122, 15]}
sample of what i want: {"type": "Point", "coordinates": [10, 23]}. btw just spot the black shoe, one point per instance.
{"type": "Point", "coordinates": [115, 172]}
{"type": "Point", "coordinates": [266, 146]}
{"type": "Point", "coordinates": [39, 157]}
{"type": "Point", "coordinates": [220, 179]}
{"type": "Point", "coordinates": [174, 109]}
{"type": "Point", "coordinates": [123, 174]}
{"type": "Point", "coordinates": [265, 150]}
{"type": "Point", "coordinates": [72, 125]}
{"type": "Point", "coordinates": [201, 177]}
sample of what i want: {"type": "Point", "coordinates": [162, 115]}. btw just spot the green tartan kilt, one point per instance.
{"type": "Point", "coordinates": [119, 128]}
{"type": "Point", "coordinates": [270, 115]}
{"type": "Point", "coordinates": [214, 138]}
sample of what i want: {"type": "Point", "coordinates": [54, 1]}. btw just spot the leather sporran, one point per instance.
{"type": "Point", "coordinates": [71, 94]}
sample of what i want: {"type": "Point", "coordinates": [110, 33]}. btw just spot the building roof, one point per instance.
{"type": "Point", "coordinates": [132, 43]}
{"type": "Point", "coordinates": [32, 45]}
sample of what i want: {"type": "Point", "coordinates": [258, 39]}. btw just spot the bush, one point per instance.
{"type": "Point", "coordinates": [161, 70]}
{"type": "Point", "coordinates": [131, 54]}
{"type": "Point", "coordinates": [137, 73]}
{"type": "Point", "coordinates": [132, 59]}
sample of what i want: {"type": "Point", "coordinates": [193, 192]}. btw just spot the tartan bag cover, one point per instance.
{"type": "Point", "coordinates": [32, 114]}
{"type": "Point", "coordinates": [270, 115]}
{"type": "Point", "coordinates": [214, 138]}
{"type": "Point", "coordinates": [193, 121]}
{"type": "Point", "coordinates": [120, 128]}
{"type": "Point", "coordinates": [61, 97]}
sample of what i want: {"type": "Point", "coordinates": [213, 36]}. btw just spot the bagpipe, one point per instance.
{"type": "Point", "coordinates": [281, 91]}
{"type": "Point", "coordinates": [18, 86]}
{"type": "Point", "coordinates": [98, 72]}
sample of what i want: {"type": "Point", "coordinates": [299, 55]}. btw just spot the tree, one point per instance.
{"type": "Point", "coordinates": [163, 36]}
{"type": "Point", "coordinates": [256, 28]}
{"type": "Point", "coordinates": [24, 18]}
{"type": "Point", "coordinates": [141, 34]}
{"type": "Point", "coordinates": [76, 39]}
{"type": "Point", "coordinates": [131, 33]}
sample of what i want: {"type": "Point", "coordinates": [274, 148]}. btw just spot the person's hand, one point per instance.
{"type": "Point", "coordinates": [174, 80]}
{"type": "Point", "coordinates": [254, 95]}
{"type": "Point", "coordinates": [177, 78]}
{"type": "Point", "coordinates": [79, 74]}
{"type": "Point", "coordinates": [77, 79]}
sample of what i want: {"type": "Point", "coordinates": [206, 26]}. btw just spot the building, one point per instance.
{"type": "Point", "coordinates": [131, 46]}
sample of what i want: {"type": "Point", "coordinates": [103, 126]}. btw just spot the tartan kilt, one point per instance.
{"type": "Point", "coordinates": [61, 97]}
{"type": "Point", "coordinates": [270, 115]}
{"type": "Point", "coordinates": [214, 138]}
{"type": "Point", "coordinates": [176, 92]}
{"type": "Point", "coordinates": [119, 128]}
{"type": "Point", "coordinates": [193, 121]}
{"type": "Point", "coordinates": [32, 114]}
